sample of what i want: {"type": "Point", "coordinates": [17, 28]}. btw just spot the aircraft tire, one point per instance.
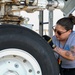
{"type": "Point", "coordinates": [18, 43]}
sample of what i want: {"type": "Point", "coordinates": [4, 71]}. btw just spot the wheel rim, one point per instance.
{"type": "Point", "coordinates": [18, 62]}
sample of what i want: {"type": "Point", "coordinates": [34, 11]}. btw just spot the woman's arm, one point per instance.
{"type": "Point", "coordinates": [70, 55]}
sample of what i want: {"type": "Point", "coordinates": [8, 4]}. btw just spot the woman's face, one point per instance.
{"type": "Point", "coordinates": [61, 33]}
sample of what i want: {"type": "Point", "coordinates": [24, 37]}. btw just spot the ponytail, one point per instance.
{"type": "Point", "coordinates": [72, 18]}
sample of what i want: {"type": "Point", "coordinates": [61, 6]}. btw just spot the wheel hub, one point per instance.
{"type": "Point", "coordinates": [18, 62]}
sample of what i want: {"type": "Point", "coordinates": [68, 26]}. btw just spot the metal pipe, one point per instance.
{"type": "Point", "coordinates": [50, 23]}
{"type": "Point", "coordinates": [41, 22]}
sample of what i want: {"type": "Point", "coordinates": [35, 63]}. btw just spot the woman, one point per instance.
{"type": "Point", "coordinates": [64, 39]}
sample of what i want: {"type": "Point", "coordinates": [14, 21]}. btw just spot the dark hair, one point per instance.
{"type": "Point", "coordinates": [67, 22]}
